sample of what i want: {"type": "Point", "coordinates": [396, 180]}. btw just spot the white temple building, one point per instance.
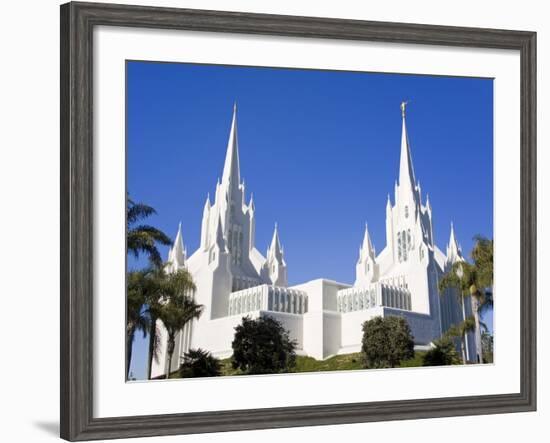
{"type": "Point", "coordinates": [325, 317]}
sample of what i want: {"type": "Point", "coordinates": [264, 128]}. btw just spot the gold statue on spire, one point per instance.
{"type": "Point", "coordinates": [403, 107]}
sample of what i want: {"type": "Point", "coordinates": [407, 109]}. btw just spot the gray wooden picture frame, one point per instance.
{"type": "Point", "coordinates": [77, 23]}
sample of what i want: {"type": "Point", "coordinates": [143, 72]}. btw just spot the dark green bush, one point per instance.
{"type": "Point", "coordinates": [443, 354]}
{"type": "Point", "coordinates": [199, 363]}
{"type": "Point", "coordinates": [386, 342]}
{"type": "Point", "coordinates": [262, 346]}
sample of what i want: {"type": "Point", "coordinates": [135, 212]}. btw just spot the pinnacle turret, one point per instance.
{"type": "Point", "coordinates": [251, 202]}
{"type": "Point", "coordinates": [275, 251]}
{"type": "Point", "coordinates": [274, 268]}
{"type": "Point", "coordinates": [367, 249]}
{"type": "Point", "coordinates": [177, 254]}
{"type": "Point", "coordinates": [454, 252]}
{"type": "Point", "coordinates": [207, 204]}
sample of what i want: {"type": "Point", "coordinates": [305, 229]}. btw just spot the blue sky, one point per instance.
{"type": "Point", "coordinates": [319, 150]}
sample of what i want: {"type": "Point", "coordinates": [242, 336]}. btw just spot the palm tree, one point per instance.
{"type": "Point", "coordinates": [143, 238]}
{"type": "Point", "coordinates": [463, 276]}
{"type": "Point", "coordinates": [482, 254]}
{"type": "Point", "coordinates": [137, 318]}
{"type": "Point", "coordinates": [474, 281]}
{"type": "Point", "coordinates": [178, 309]}
{"type": "Point", "coordinates": [154, 301]}
{"type": "Point", "coordinates": [460, 331]}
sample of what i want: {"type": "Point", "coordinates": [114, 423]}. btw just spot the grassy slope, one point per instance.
{"type": "Point", "coordinates": [337, 363]}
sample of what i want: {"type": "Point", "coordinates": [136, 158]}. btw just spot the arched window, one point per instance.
{"type": "Point", "coordinates": [409, 245]}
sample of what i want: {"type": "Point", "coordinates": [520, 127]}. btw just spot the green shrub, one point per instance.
{"type": "Point", "coordinates": [262, 346]}
{"type": "Point", "coordinates": [386, 342]}
{"type": "Point", "coordinates": [199, 363]}
{"type": "Point", "coordinates": [443, 354]}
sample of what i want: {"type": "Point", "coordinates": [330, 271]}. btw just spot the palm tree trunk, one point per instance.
{"type": "Point", "coordinates": [152, 342]}
{"type": "Point", "coordinates": [465, 335]}
{"type": "Point", "coordinates": [129, 344]}
{"type": "Point", "coordinates": [171, 346]}
{"type": "Point", "coordinates": [477, 332]}
{"type": "Point", "coordinates": [463, 349]}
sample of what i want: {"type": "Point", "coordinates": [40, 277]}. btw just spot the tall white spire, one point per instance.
{"type": "Point", "coordinates": [231, 169]}
{"type": "Point", "coordinates": [406, 170]}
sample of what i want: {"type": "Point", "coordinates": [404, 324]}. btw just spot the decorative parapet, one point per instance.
{"type": "Point", "coordinates": [391, 293]}
{"type": "Point", "coordinates": [268, 298]}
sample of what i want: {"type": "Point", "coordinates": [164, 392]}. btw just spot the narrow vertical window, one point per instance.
{"type": "Point", "coordinates": [399, 245]}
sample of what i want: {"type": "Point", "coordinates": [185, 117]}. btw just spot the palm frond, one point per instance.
{"type": "Point", "coordinates": [138, 211]}
{"type": "Point", "coordinates": [143, 238]}
{"type": "Point", "coordinates": [155, 234]}
{"type": "Point", "coordinates": [486, 303]}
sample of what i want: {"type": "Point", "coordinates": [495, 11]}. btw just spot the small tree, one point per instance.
{"type": "Point", "coordinates": [474, 281]}
{"type": "Point", "coordinates": [137, 318]}
{"type": "Point", "coordinates": [199, 363]}
{"type": "Point", "coordinates": [460, 331]}
{"type": "Point", "coordinates": [443, 354]}
{"type": "Point", "coordinates": [487, 347]}
{"type": "Point", "coordinates": [386, 342]}
{"type": "Point", "coordinates": [178, 308]}
{"type": "Point", "coordinates": [262, 346]}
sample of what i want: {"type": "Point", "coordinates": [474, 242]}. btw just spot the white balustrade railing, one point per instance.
{"type": "Point", "coordinates": [268, 298]}
{"type": "Point", "coordinates": [390, 293]}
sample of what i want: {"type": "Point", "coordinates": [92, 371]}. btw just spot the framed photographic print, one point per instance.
{"type": "Point", "coordinates": [273, 221]}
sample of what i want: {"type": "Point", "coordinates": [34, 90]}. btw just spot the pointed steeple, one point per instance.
{"type": "Point", "coordinates": [231, 169]}
{"type": "Point", "coordinates": [177, 254]}
{"type": "Point", "coordinates": [366, 269]}
{"type": "Point", "coordinates": [453, 248]}
{"type": "Point", "coordinates": [205, 225]}
{"type": "Point", "coordinates": [274, 268]}
{"type": "Point", "coordinates": [207, 204]}
{"type": "Point", "coordinates": [275, 249]}
{"type": "Point", "coordinates": [367, 249]}
{"type": "Point", "coordinates": [251, 202]}
{"type": "Point", "coordinates": [406, 170]}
